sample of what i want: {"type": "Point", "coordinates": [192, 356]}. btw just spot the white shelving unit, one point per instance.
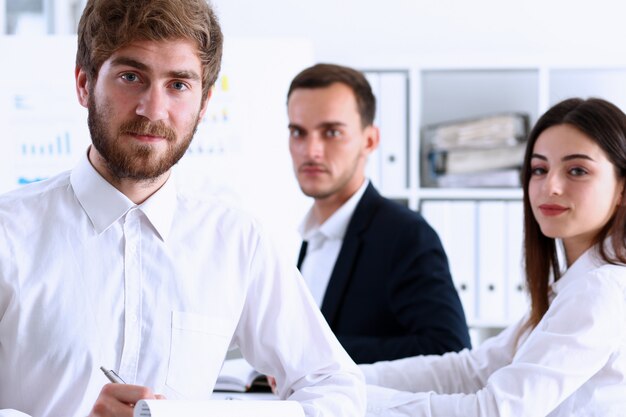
{"type": "Point", "coordinates": [39, 17]}
{"type": "Point", "coordinates": [451, 92]}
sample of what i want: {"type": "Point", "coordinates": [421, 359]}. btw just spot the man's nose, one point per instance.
{"type": "Point", "coordinates": [153, 104]}
{"type": "Point", "coordinates": [314, 146]}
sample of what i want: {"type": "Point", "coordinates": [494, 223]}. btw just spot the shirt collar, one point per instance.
{"type": "Point", "coordinates": [105, 204]}
{"type": "Point", "coordinates": [588, 261]}
{"type": "Point", "coordinates": [336, 225]}
{"type": "Point", "coordinates": [161, 206]}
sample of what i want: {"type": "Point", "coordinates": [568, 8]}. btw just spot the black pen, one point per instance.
{"type": "Point", "coordinates": [113, 377]}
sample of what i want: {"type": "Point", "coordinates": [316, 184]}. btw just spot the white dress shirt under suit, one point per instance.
{"type": "Point", "coordinates": [572, 364]}
{"type": "Point", "coordinates": [324, 243]}
{"type": "Point", "coordinates": [158, 292]}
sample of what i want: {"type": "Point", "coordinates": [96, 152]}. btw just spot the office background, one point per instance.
{"type": "Point", "coordinates": [429, 62]}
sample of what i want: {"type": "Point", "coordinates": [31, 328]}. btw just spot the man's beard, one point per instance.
{"type": "Point", "coordinates": [137, 161]}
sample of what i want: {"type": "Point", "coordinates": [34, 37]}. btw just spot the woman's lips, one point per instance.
{"type": "Point", "coordinates": [552, 209]}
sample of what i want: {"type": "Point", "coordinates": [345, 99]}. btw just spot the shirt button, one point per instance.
{"type": "Point", "coordinates": [133, 318]}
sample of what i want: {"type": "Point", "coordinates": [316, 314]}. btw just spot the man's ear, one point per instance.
{"type": "Point", "coordinates": [372, 139]}
{"type": "Point", "coordinates": [205, 104]}
{"type": "Point", "coordinates": [82, 86]}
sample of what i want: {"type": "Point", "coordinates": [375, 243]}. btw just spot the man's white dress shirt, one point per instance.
{"type": "Point", "coordinates": [572, 364]}
{"type": "Point", "coordinates": [158, 292]}
{"type": "Point", "coordinates": [324, 243]}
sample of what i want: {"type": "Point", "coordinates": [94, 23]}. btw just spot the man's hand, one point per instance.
{"type": "Point", "coordinates": [118, 400]}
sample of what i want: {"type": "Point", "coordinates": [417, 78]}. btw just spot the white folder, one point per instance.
{"type": "Point", "coordinates": [492, 262]}
{"type": "Point", "coordinates": [455, 223]}
{"type": "Point", "coordinates": [373, 167]}
{"type": "Point", "coordinates": [462, 249]}
{"type": "Point", "coordinates": [517, 299]}
{"type": "Point", "coordinates": [393, 112]}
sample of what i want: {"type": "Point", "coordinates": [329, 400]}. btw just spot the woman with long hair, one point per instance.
{"type": "Point", "coordinates": [567, 356]}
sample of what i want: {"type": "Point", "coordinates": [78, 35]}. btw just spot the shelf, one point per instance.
{"type": "Point", "coordinates": [470, 193]}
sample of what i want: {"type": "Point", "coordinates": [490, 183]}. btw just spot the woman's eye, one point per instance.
{"type": "Point", "coordinates": [537, 171]}
{"type": "Point", "coordinates": [577, 172]}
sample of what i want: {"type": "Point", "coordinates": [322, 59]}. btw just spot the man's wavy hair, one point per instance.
{"type": "Point", "coordinates": [108, 25]}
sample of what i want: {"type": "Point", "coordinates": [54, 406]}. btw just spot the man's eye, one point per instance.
{"type": "Point", "coordinates": [333, 133]}
{"type": "Point", "coordinates": [295, 133]}
{"type": "Point", "coordinates": [130, 77]}
{"type": "Point", "coordinates": [179, 85]}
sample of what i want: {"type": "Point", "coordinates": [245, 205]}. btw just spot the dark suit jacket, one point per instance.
{"type": "Point", "coordinates": [390, 294]}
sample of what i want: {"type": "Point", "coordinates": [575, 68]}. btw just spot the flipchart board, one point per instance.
{"type": "Point", "coordinates": [239, 153]}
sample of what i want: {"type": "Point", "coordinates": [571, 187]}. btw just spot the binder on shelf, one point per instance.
{"type": "Point", "coordinates": [467, 153]}
{"type": "Point", "coordinates": [462, 246]}
{"type": "Point", "coordinates": [393, 112]}
{"type": "Point", "coordinates": [373, 167]}
{"type": "Point", "coordinates": [473, 160]}
{"type": "Point", "coordinates": [491, 262]}
{"type": "Point", "coordinates": [499, 178]}
{"type": "Point", "coordinates": [455, 223]}
{"type": "Point", "coordinates": [485, 132]}
{"type": "Point", "coordinates": [518, 302]}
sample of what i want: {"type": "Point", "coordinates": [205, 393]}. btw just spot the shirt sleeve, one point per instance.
{"type": "Point", "coordinates": [568, 347]}
{"type": "Point", "coordinates": [12, 413]}
{"type": "Point", "coordinates": [282, 333]}
{"type": "Point", "coordinates": [455, 372]}
{"type": "Point", "coordinates": [4, 300]}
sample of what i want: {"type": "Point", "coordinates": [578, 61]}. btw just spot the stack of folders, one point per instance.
{"type": "Point", "coordinates": [481, 152]}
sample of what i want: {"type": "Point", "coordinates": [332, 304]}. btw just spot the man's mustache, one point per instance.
{"type": "Point", "coordinates": [310, 164]}
{"type": "Point", "coordinates": [143, 126]}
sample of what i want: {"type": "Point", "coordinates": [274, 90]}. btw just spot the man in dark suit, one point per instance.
{"type": "Point", "coordinates": [377, 270]}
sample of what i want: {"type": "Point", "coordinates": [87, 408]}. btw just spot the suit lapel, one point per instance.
{"type": "Point", "coordinates": [349, 253]}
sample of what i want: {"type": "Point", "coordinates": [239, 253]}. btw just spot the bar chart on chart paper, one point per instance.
{"type": "Point", "coordinates": [48, 134]}
{"type": "Point", "coordinates": [59, 146]}
{"type": "Point", "coordinates": [44, 151]}
{"type": "Point", "coordinates": [44, 127]}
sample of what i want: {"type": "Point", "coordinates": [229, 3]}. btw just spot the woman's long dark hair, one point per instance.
{"type": "Point", "coordinates": [605, 124]}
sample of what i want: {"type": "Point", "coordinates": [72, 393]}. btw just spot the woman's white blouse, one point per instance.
{"type": "Point", "coordinates": [572, 364]}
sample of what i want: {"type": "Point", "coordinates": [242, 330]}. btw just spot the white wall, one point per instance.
{"type": "Point", "coordinates": [3, 12]}
{"type": "Point", "coordinates": [394, 32]}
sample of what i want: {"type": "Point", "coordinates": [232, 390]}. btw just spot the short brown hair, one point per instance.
{"type": "Point", "coordinates": [108, 25]}
{"type": "Point", "coordinates": [323, 75]}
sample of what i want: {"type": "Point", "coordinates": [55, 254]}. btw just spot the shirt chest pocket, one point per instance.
{"type": "Point", "coordinates": [197, 350]}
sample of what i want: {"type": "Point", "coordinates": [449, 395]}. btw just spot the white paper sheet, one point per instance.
{"type": "Point", "coordinates": [226, 408]}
